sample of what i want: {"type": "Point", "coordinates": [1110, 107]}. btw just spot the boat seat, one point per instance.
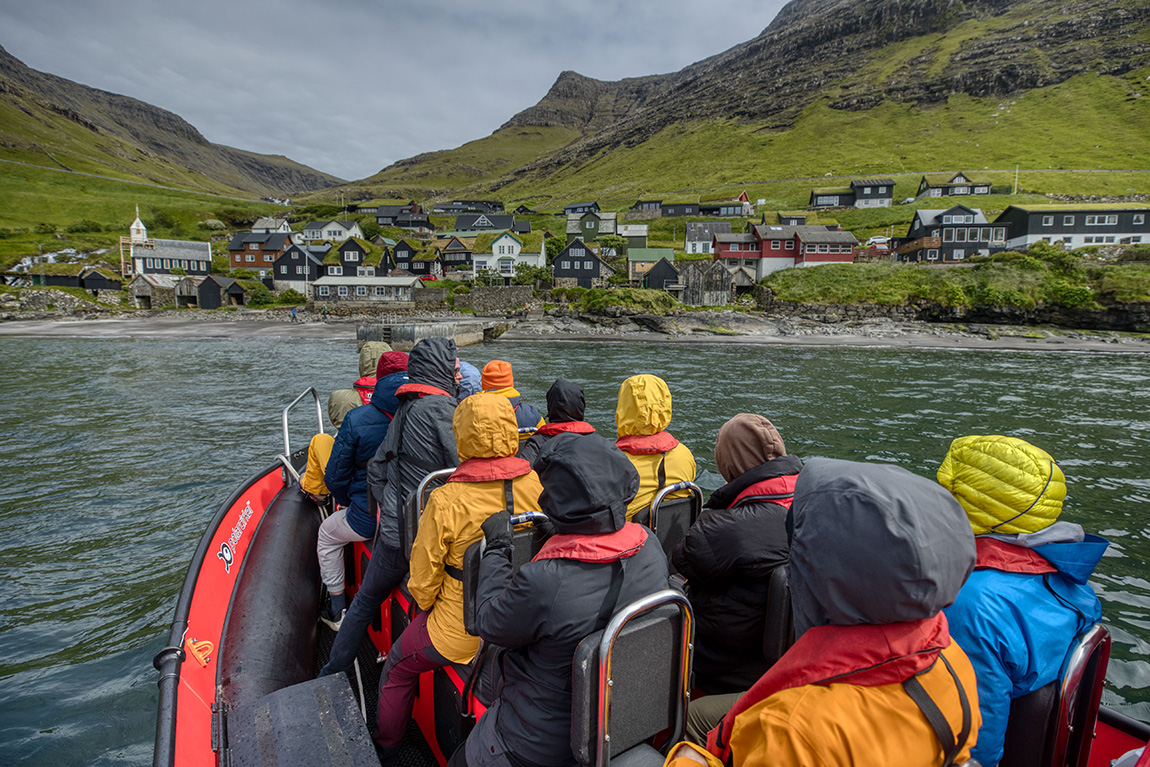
{"type": "Point", "coordinates": [1054, 725]}
{"type": "Point", "coordinates": [525, 544]}
{"type": "Point", "coordinates": [671, 519]}
{"type": "Point", "coordinates": [646, 658]}
{"type": "Point", "coordinates": [779, 627]}
{"type": "Point", "coordinates": [313, 722]}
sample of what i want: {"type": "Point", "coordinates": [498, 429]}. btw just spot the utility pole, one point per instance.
{"type": "Point", "coordinates": [1015, 179]}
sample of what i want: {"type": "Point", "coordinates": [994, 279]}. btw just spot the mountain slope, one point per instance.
{"type": "Point", "coordinates": [875, 72]}
{"type": "Point", "coordinates": [47, 120]}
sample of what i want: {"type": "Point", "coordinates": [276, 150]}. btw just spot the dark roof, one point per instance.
{"type": "Point", "coordinates": [702, 231]}
{"type": "Point", "coordinates": [873, 182]}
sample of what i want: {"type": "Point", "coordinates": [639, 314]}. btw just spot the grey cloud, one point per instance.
{"type": "Point", "coordinates": [351, 86]}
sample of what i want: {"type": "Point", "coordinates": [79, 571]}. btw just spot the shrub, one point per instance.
{"type": "Point", "coordinates": [258, 295]}
{"type": "Point", "coordinates": [1071, 296]}
{"type": "Point", "coordinates": [85, 225]}
{"type": "Point", "coordinates": [291, 296]}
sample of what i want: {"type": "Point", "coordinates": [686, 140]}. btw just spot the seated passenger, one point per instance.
{"type": "Point", "coordinates": [346, 477]}
{"type": "Point", "coordinates": [565, 406]}
{"type": "Point", "coordinates": [470, 380]}
{"type": "Point", "coordinates": [369, 355]}
{"type": "Point", "coordinates": [595, 563]}
{"type": "Point", "coordinates": [318, 455]}
{"type": "Point", "coordinates": [1018, 615]}
{"type": "Point", "coordinates": [497, 378]}
{"type": "Point", "coordinates": [489, 478]}
{"type": "Point", "coordinates": [731, 550]}
{"type": "Point", "coordinates": [418, 441]}
{"type": "Point", "coordinates": [876, 553]}
{"type": "Point", "coordinates": [643, 412]}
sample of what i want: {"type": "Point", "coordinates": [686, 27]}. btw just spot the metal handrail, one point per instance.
{"type": "Point", "coordinates": [286, 462]}
{"type": "Point", "coordinates": [607, 644]}
{"type": "Point", "coordinates": [1094, 642]}
{"type": "Point", "coordinates": [696, 491]}
{"type": "Point", "coordinates": [284, 416]}
{"type": "Point", "coordinates": [413, 506]}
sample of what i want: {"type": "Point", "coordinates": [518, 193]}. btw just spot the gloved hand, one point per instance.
{"type": "Point", "coordinates": [497, 530]}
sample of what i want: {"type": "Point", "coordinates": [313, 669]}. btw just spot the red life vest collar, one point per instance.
{"type": "Point", "coordinates": [488, 469]}
{"type": "Point", "coordinates": [994, 554]}
{"type": "Point", "coordinates": [780, 490]}
{"type": "Point", "coordinates": [648, 444]}
{"type": "Point", "coordinates": [565, 427]}
{"type": "Point", "coordinates": [610, 547]}
{"type": "Point", "coordinates": [364, 387]}
{"type": "Point", "coordinates": [864, 655]}
{"type": "Point", "coordinates": [422, 390]}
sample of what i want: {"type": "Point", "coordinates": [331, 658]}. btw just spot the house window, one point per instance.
{"type": "Point", "coordinates": [148, 263]}
{"type": "Point", "coordinates": [253, 246]}
{"type": "Point", "coordinates": [959, 254]}
{"type": "Point", "coordinates": [1139, 218]}
{"type": "Point", "coordinates": [342, 290]}
{"type": "Point", "coordinates": [480, 264]}
{"type": "Point", "coordinates": [1048, 220]}
{"type": "Point", "coordinates": [982, 190]}
{"type": "Point", "coordinates": [1101, 220]}
{"type": "Point", "coordinates": [984, 234]}
{"type": "Point", "coordinates": [323, 290]}
{"type": "Point", "coordinates": [361, 290]}
{"type": "Point", "coordinates": [352, 255]}
{"type": "Point", "coordinates": [268, 258]}
{"type": "Point", "coordinates": [564, 264]}
{"type": "Point", "coordinates": [1068, 220]}
{"type": "Point", "coordinates": [577, 253]}
{"type": "Point", "coordinates": [999, 234]}
{"type": "Point", "coordinates": [948, 235]}
{"type": "Point", "coordinates": [827, 200]}
{"type": "Point", "coordinates": [586, 264]}
{"type": "Point", "coordinates": [960, 234]}
{"type": "Point", "coordinates": [183, 263]}
{"type": "Point", "coordinates": [936, 193]}
{"type": "Point", "coordinates": [380, 290]}
{"type": "Point", "coordinates": [250, 257]}
{"type": "Point", "coordinates": [932, 255]}
{"type": "Point", "coordinates": [960, 190]}
{"type": "Point", "coordinates": [748, 262]}
{"type": "Point", "coordinates": [882, 190]}
{"type": "Point", "coordinates": [335, 270]}
{"type": "Point", "coordinates": [776, 245]}
{"type": "Point", "coordinates": [866, 190]}
{"type": "Point", "coordinates": [790, 244]}
{"type": "Point", "coordinates": [589, 224]}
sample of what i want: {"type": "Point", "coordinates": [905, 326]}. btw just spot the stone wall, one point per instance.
{"type": "Point", "coordinates": [1134, 318]}
{"type": "Point", "coordinates": [431, 298]}
{"type": "Point", "coordinates": [494, 300]}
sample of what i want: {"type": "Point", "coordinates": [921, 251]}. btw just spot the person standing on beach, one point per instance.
{"type": "Point", "coordinates": [293, 315]}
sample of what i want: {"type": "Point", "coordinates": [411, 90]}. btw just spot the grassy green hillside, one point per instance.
{"type": "Point", "coordinates": [44, 209]}
{"type": "Point", "coordinates": [1088, 122]}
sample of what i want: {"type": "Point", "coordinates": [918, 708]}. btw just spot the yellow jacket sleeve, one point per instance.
{"type": "Point", "coordinates": [429, 551]}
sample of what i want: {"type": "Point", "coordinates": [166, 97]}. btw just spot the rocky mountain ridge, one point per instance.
{"type": "Point", "coordinates": [126, 130]}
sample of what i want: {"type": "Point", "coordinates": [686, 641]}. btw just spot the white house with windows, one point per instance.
{"type": "Point", "coordinates": [506, 251]}
{"type": "Point", "coordinates": [336, 231]}
{"type": "Point", "coordinates": [1077, 225]}
{"type": "Point", "coordinates": [336, 288]}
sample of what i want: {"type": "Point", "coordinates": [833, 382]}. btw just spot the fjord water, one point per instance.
{"type": "Point", "coordinates": [116, 453]}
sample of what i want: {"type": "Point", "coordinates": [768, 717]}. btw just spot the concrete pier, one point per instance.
{"type": "Point", "coordinates": [403, 336]}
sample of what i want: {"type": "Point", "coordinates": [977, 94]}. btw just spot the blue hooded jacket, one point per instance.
{"type": "Point", "coordinates": [1018, 630]}
{"type": "Point", "coordinates": [360, 435]}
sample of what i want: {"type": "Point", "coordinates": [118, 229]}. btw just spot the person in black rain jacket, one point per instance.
{"type": "Point", "coordinates": [565, 407]}
{"type": "Point", "coordinates": [543, 611]}
{"type": "Point", "coordinates": [730, 551]}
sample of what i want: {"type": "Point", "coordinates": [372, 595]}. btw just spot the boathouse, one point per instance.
{"type": "Point", "coordinates": [152, 291]}
{"type": "Point", "coordinates": [216, 291]}
{"type": "Point", "coordinates": [188, 292]}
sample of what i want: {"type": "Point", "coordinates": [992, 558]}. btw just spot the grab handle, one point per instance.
{"type": "Point", "coordinates": [284, 416]}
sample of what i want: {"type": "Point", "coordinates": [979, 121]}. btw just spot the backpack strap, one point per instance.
{"type": "Point", "coordinates": [509, 500]}
{"type": "Point", "coordinates": [934, 715]}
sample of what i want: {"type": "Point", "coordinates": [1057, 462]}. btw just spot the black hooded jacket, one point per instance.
{"type": "Point", "coordinates": [565, 405]}
{"type": "Point", "coordinates": [420, 439]}
{"type": "Point", "coordinates": [554, 602]}
{"type": "Point", "coordinates": [727, 559]}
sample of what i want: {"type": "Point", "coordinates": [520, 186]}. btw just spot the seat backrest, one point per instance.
{"type": "Point", "coordinates": [779, 627]}
{"type": "Point", "coordinates": [671, 519]}
{"type": "Point", "coordinates": [1054, 725]}
{"type": "Point", "coordinates": [629, 681]}
{"type": "Point", "coordinates": [526, 543]}
{"type": "Point", "coordinates": [414, 503]}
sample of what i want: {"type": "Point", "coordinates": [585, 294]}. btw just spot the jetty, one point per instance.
{"type": "Point", "coordinates": [403, 335]}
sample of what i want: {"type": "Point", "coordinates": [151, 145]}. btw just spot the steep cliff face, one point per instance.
{"type": "Point", "coordinates": [856, 54]}
{"type": "Point", "coordinates": [131, 136]}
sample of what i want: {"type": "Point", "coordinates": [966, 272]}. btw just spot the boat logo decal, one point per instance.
{"type": "Point", "coordinates": [228, 547]}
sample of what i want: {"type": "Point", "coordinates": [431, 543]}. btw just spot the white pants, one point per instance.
{"type": "Point", "coordinates": [334, 533]}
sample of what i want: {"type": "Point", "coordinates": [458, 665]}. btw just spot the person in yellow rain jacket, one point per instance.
{"type": "Point", "coordinates": [876, 553]}
{"type": "Point", "coordinates": [489, 479]}
{"type": "Point", "coordinates": [641, 417]}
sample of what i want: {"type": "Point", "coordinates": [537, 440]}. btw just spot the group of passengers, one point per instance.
{"type": "Point", "coordinates": [921, 609]}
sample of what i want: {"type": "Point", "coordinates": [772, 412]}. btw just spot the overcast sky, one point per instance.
{"type": "Point", "coordinates": [350, 86]}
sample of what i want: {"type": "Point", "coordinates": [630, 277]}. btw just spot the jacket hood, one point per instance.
{"type": "Point", "coordinates": [744, 442]}
{"type": "Point", "coordinates": [781, 466]}
{"type": "Point", "coordinates": [369, 355]}
{"type": "Point", "coordinates": [432, 362]}
{"type": "Point", "coordinates": [384, 395]}
{"type": "Point", "coordinates": [470, 382]}
{"type": "Point", "coordinates": [1005, 484]}
{"type": "Point", "coordinates": [565, 402]}
{"type": "Point", "coordinates": [587, 484]}
{"type": "Point", "coordinates": [485, 427]}
{"type": "Point", "coordinates": [644, 406]}
{"type": "Point", "coordinates": [1075, 560]}
{"type": "Point", "coordinates": [340, 403]}
{"type": "Point", "coordinates": [873, 544]}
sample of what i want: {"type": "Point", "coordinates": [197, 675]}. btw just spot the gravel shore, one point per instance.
{"type": "Point", "coordinates": [698, 327]}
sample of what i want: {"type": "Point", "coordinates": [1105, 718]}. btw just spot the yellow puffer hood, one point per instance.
{"type": "Point", "coordinates": [1005, 484]}
{"type": "Point", "coordinates": [485, 427]}
{"type": "Point", "coordinates": [644, 406]}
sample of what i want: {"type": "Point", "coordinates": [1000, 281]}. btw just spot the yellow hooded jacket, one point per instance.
{"type": "Point", "coordinates": [644, 410]}
{"type": "Point", "coordinates": [487, 438]}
